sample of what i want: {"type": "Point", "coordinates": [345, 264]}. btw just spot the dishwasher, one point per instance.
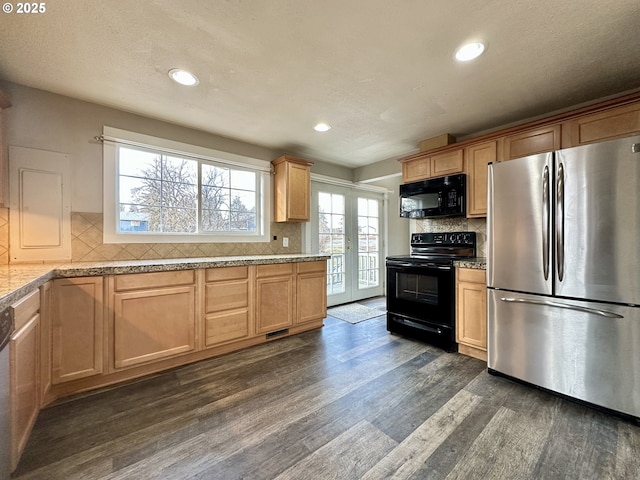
{"type": "Point", "coordinates": [6, 328]}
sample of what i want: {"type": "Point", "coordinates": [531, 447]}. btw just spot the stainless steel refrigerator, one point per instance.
{"type": "Point", "coordinates": [563, 272]}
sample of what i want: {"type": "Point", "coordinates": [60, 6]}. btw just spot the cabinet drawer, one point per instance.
{"type": "Point", "coordinates": [274, 270]}
{"type": "Point", "coordinates": [138, 281]}
{"type": "Point", "coordinates": [312, 267]}
{"type": "Point", "coordinates": [226, 273]}
{"type": "Point", "coordinates": [472, 275]}
{"type": "Point", "coordinates": [226, 295]}
{"type": "Point", "coordinates": [25, 308]}
{"type": "Point", "coordinates": [226, 327]}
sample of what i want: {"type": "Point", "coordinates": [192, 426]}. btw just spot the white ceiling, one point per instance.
{"type": "Point", "coordinates": [379, 71]}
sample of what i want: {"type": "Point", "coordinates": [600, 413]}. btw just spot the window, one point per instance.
{"type": "Point", "coordinates": [167, 195]}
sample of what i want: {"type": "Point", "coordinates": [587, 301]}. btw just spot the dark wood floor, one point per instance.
{"type": "Point", "coordinates": [345, 402]}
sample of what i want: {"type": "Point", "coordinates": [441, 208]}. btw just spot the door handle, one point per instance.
{"type": "Point", "coordinates": [566, 306]}
{"type": "Point", "coordinates": [546, 222]}
{"type": "Point", "coordinates": [560, 222]}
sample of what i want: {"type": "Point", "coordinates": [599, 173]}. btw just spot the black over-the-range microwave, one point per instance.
{"type": "Point", "coordinates": [435, 197]}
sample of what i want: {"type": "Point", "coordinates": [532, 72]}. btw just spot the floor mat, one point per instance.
{"type": "Point", "coordinates": [354, 312]}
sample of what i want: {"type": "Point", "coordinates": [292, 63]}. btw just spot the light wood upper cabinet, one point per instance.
{"type": "Point", "coordinates": [311, 291]}
{"type": "Point", "coordinates": [228, 306]}
{"type": "Point", "coordinates": [447, 163]}
{"type": "Point", "coordinates": [25, 347]}
{"type": "Point", "coordinates": [529, 142]}
{"type": "Point", "coordinates": [417, 169]}
{"type": "Point", "coordinates": [292, 184]}
{"type": "Point", "coordinates": [274, 297]}
{"type": "Point", "coordinates": [153, 317]}
{"type": "Point", "coordinates": [77, 328]}
{"type": "Point", "coordinates": [478, 157]}
{"type": "Point", "coordinates": [437, 165]}
{"type": "Point", "coordinates": [612, 123]}
{"type": "Point", "coordinates": [471, 312]}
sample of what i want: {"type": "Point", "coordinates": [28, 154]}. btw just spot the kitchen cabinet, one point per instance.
{"type": "Point", "coordinates": [45, 342]}
{"type": "Point", "coordinates": [153, 316]}
{"type": "Point", "coordinates": [311, 286]}
{"type": "Point", "coordinates": [471, 312]}
{"type": "Point", "coordinates": [292, 184]}
{"type": "Point", "coordinates": [274, 297]}
{"type": "Point", "coordinates": [531, 141]}
{"type": "Point", "coordinates": [228, 305]}
{"type": "Point", "coordinates": [24, 372]}
{"type": "Point", "coordinates": [612, 123]}
{"type": "Point", "coordinates": [437, 165]}
{"type": "Point", "coordinates": [479, 156]}
{"type": "Point", "coordinates": [77, 328]}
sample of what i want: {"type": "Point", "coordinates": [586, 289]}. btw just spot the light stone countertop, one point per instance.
{"type": "Point", "coordinates": [479, 263]}
{"type": "Point", "coordinates": [17, 280]}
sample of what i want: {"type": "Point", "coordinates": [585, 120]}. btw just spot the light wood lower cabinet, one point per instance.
{"type": "Point", "coordinates": [77, 329]}
{"type": "Point", "coordinates": [274, 297]}
{"type": "Point", "coordinates": [153, 323]}
{"type": "Point", "coordinates": [311, 288]}
{"type": "Point", "coordinates": [228, 305]}
{"type": "Point", "coordinates": [45, 342]}
{"type": "Point", "coordinates": [24, 373]}
{"type": "Point", "coordinates": [471, 312]}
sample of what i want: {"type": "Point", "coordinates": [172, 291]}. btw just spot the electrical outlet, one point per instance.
{"type": "Point", "coordinates": [285, 241]}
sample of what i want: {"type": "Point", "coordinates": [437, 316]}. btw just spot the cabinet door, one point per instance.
{"type": "Point", "coordinates": [25, 384]}
{"type": "Point", "coordinates": [613, 123]}
{"type": "Point", "coordinates": [415, 170]}
{"type": "Point", "coordinates": [471, 314]}
{"type": "Point", "coordinates": [45, 341]}
{"type": "Point", "coordinates": [77, 329]}
{"type": "Point", "coordinates": [537, 140]}
{"type": "Point", "coordinates": [447, 163]}
{"type": "Point", "coordinates": [311, 291]}
{"type": "Point", "coordinates": [292, 184]}
{"type": "Point", "coordinates": [478, 158]}
{"type": "Point", "coordinates": [274, 297]}
{"type": "Point", "coordinates": [153, 324]}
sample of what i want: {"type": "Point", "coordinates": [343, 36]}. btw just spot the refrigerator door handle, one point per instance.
{"type": "Point", "coordinates": [560, 222]}
{"type": "Point", "coordinates": [546, 303]}
{"type": "Point", "coordinates": [546, 221]}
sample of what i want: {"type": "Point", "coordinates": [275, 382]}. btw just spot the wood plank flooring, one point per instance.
{"type": "Point", "coordinates": [344, 402]}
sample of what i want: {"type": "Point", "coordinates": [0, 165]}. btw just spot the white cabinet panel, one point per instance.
{"type": "Point", "coordinates": [40, 205]}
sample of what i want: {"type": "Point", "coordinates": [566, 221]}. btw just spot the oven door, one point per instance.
{"type": "Point", "coordinates": [421, 291]}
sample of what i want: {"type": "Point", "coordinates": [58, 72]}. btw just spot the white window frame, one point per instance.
{"type": "Point", "coordinates": [112, 137]}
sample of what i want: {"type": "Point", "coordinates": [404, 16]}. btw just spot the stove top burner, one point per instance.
{"type": "Point", "coordinates": [440, 248]}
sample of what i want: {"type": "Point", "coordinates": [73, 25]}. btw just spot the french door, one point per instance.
{"type": "Point", "coordinates": [348, 224]}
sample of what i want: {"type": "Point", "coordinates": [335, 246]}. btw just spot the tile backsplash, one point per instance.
{"type": "Point", "coordinates": [87, 246]}
{"type": "Point", "coordinates": [456, 224]}
{"type": "Point", "coordinates": [4, 236]}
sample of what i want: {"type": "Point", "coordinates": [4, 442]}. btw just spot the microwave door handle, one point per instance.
{"type": "Point", "coordinates": [546, 221]}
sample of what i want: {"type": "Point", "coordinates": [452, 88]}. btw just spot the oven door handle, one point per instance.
{"type": "Point", "coordinates": [418, 265]}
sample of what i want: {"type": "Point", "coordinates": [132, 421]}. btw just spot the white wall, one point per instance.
{"type": "Point", "coordinates": [398, 228]}
{"type": "Point", "coordinates": [43, 120]}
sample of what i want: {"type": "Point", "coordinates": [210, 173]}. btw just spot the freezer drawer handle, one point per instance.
{"type": "Point", "coordinates": [595, 311]}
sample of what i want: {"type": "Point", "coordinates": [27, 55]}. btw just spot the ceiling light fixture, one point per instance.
{"type": "Point", "coordinates": [322, 127]}
{"type": "Point", "coordinates": [183, 77]}
{"type": "Point", "coordinates": [469, 51]}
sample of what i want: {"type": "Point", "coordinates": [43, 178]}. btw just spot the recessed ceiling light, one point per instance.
{"type": "Point", "coordinates": [183, 77]}
{"type": "Point", "coordinates": [322, 127]}
{"type": "Point", "coordinates": [469, 51]}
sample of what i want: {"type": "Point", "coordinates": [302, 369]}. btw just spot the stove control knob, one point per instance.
{"type": "Point", "coordinates": [467, 238]}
